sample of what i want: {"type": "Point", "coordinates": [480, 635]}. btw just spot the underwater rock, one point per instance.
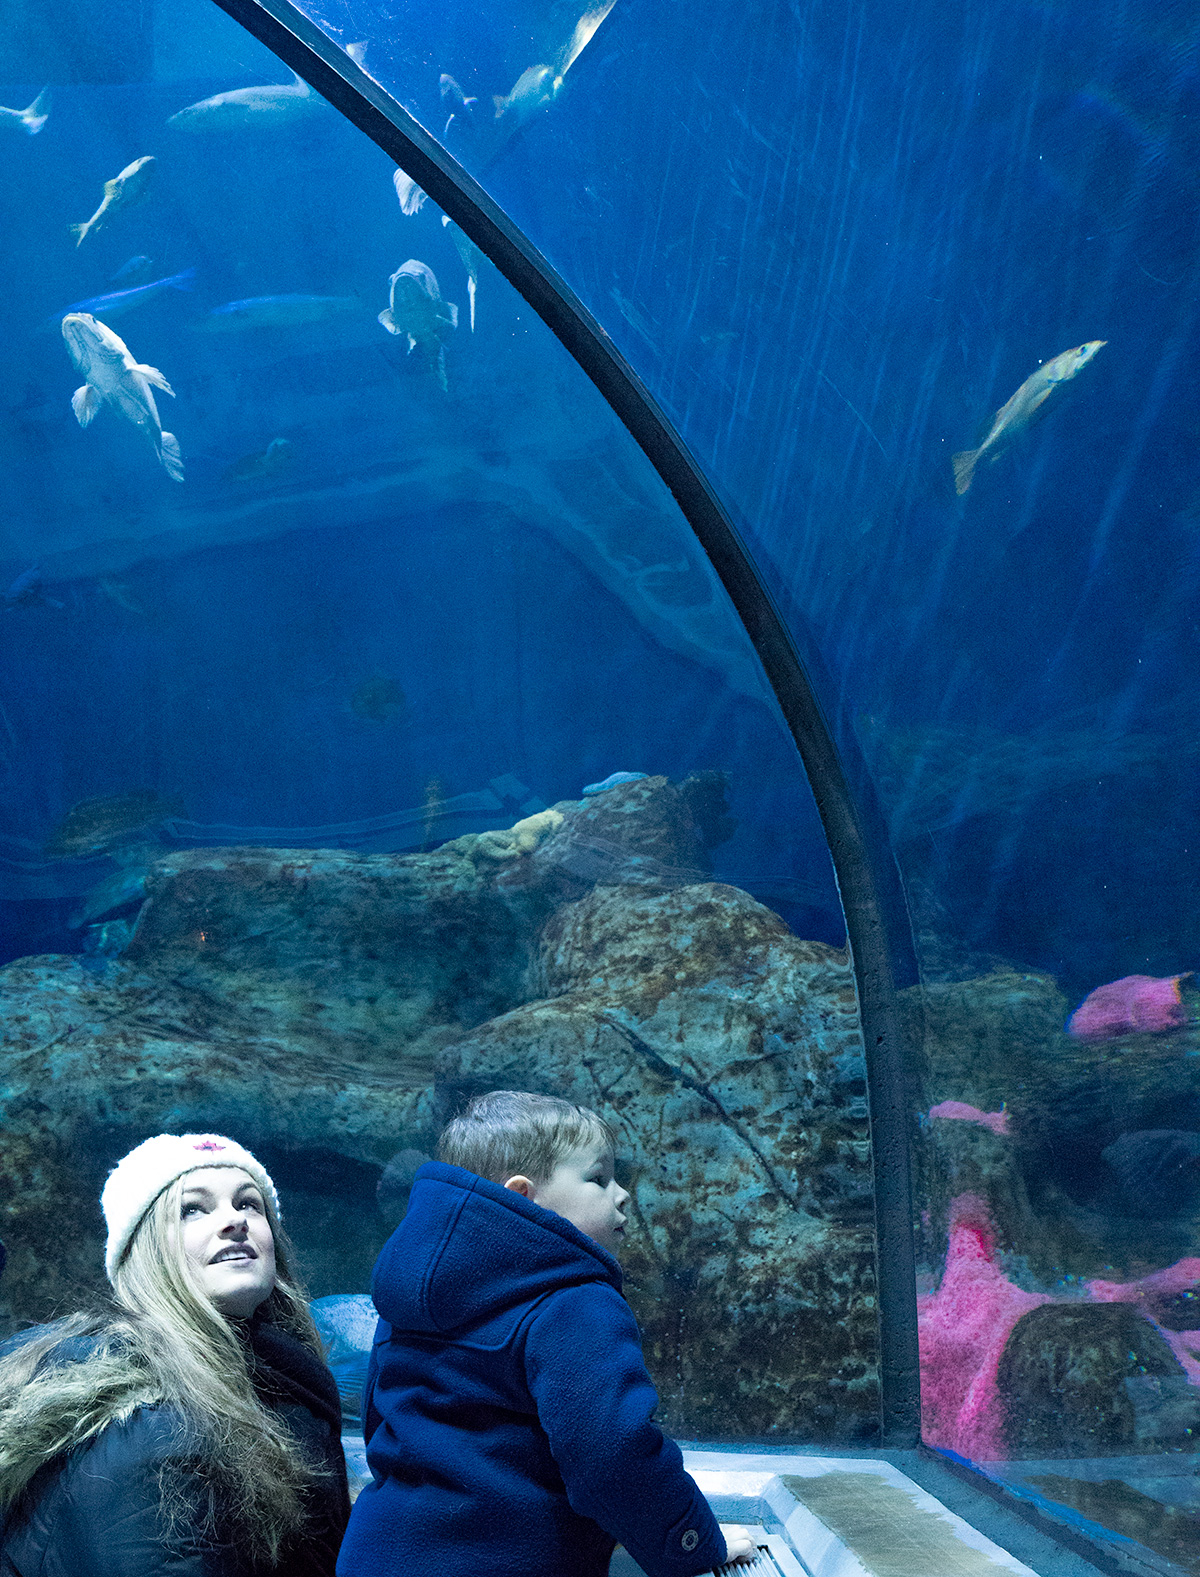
{"type": "Point", "coordinates": [720, 1048]}
{"type": "Point", "coordinates": [1133, 1005]}
{"type": "Point", "coordinates": [330, 1009]}
{"type": "Point", "coordinates": [1089, 1380]}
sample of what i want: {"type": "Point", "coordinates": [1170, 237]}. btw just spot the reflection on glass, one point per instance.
{"type": "Point", "coordinates": [373, 732]}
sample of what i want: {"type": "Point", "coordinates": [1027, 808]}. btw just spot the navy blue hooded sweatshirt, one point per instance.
{"type": "Point", "coordinates": [508, 1413]}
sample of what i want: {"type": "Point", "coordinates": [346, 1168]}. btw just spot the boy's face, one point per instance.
{"type": "Point", "coordinates": [583, 1189]}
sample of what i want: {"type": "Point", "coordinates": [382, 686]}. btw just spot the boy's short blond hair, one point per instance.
{"type": "Point", "coordinates": [510, 1133]}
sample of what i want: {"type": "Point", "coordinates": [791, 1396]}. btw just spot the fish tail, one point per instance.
{"type": "Point", "coordinates": [171, 458]}
{"type": "Point", "coordinates": [35, 116]}
{"type": "Point", "coordinates": [964, 469]}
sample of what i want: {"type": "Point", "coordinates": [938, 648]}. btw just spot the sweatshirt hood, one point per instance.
{"type": "Point", "coordinates": [469, 1249]}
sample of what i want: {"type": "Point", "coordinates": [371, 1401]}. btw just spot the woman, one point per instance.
{"type": "Point", "coordinates": [194, 1431]}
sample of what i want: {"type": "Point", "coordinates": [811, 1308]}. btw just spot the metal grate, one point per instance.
{"type": "Point", "coordinates": [764, 1564]}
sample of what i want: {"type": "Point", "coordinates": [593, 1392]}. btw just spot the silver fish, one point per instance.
{"type": "Point", "coordinates": [412, 198]}
{"type": "Point", "coordinates": [277, 312]}
{"type": "Point", "coordinates": [111, 375]}
{"type": "Point", "coordinates": [536, 87]}
{"type": "Point", "coordinates": [1016, 414]}
{"type": "Point", "coordinates": [29, 120]}
{"type": "Point", "coordinates": [454, 101]}
{"type": "Point", "coordinates": [119, 301]}
{"type": "Point", "coordinates": [470, 255]}
{"type": "Point", "coordinates": [245, 109]}
{"type": "Point", "coordinates": [125, 189]}
{"type": "Point", "coordinates": [416, 310]}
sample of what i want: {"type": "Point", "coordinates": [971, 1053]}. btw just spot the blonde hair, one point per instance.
{"type": "Point", "coordinates": [507, 1133]}
{"type": "Point", "coordinates": [167, 1343]}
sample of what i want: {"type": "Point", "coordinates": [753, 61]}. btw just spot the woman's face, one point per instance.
{"type": "Point", "coordinates": [227, 1237]}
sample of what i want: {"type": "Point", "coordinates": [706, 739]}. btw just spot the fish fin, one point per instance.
{"type": "Point", "coordinates": [388, 321]}
{"type": "Point", "coordinates": [964, 469]}
{"type": "Point", "coordinates": [85, 402]}
{"type": "Point", "coordinates": [501, 104]}
{"type": "Point", "coordinates": [471, 293]}
{"type": "Point", "coordinates": [171, 457]}
{"type": "Point", "coordinates": [111, 188]}
{"type": "Point", "coordinates": [472, 100]}
{"type": "Point", "coordinates": [412, 344]}
{"type": "Point", "coordinates": [358, 52]}
{"type": "Point", "coordinates": [79, 231]}
{"type": "Point", "coordinates": [453, 311]}
{"type": "Point", "coordinates": [35, 116]}
{"type": "Point", "coordinates": [153, 376]}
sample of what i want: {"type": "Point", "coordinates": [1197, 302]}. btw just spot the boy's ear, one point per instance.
{"type": "Point", "coordinates": [521, 1185]}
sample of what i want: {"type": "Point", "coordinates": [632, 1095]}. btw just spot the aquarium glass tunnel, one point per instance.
{"type": "Point", "coordinates": [649, 554]}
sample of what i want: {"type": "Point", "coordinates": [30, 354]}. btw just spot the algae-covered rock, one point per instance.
{"type": "Point", "coordinates": [330, 1010]}
{"type": "Point", "coordinates": [717, 1044]}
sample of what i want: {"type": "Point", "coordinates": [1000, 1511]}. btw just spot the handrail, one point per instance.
{"type": "Point", "coordinates": [869, 885]}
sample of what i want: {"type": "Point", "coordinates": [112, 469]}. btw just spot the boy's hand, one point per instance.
{"type": "Point", "coordinates": [740, 1548]}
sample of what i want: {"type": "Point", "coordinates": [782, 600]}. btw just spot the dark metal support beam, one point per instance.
{"type": "Point", "coordinates": [867, 877]}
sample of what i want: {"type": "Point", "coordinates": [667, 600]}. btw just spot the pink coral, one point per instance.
{"type": "Point", "coordinates": [1150, 1293]}
{"type": "Point", "coordinates": [966, 1322]}
{"type": "Point", "coordinates": [1134, 1003]}
{"type": "Point", "coordinates": [963, 1328]}
{"type": "Point", "coordinates": [959, 1111]}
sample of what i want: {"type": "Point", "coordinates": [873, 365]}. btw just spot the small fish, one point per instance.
{"type": "Point", "coordinates": [29, 588]}
{"type": "Point", "coordinates": [277, 312]}
{"type": "Point", "coordinates": [125, 189]}
{"type": "Point", "coordinates": [417, 311]}
{"type": "Point", "coordinates": [454, 101]}
{"type": "Point", "coordinates": [118, 302]}
{"type": "Point", "coordinates": [134, 271]}
{"type": "Point", "coordinates": [1016, 415]}
{"type": "Point", "coordinates": [29, 120]}
{"type": "Point", "coordinates": [112, 375]}
{"type": "Point", "coordinates": [253, 467]}
{"type": "Point", "coordinates": [412, 198]}
{"type": "Point", "coordinates": [536, 87]}
{"type": "Point", "coordinates": [470, 255]}
{"type": "Point", "coordinates": [613, 780]}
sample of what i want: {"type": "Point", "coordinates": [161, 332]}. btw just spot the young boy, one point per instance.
{"type": "Point", "coordinates": [507, 1412]}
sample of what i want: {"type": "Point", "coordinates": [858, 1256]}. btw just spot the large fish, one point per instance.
{"type": "Point", "coordinates": [29, 120]}
{"type": "Point", "coordinates": [470, 255]}
{"type": "Point", "coordinates": [119, 301]}
{"type": "Point", "coordinates": [125, 189]}
{"type": "Point", "coordinates": [245, 109]}
{"type": "Point", "coordinates": [1016, 415]}
{"type": "Point", "coordinates": [111, 375]}
{"type": "Point", "coordinates": [277, 312]}
{"type": "Point", "coordinates": [417, 311]}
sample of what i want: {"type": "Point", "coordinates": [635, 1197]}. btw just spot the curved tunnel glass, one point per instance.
{"type": "Point", "coordinates": [917, 286]}
{"type": "Point", "coordinates": [376, 733]}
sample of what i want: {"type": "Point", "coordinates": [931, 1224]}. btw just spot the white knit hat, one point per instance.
{"type": "Point", "coordinates": [136, 1181]}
